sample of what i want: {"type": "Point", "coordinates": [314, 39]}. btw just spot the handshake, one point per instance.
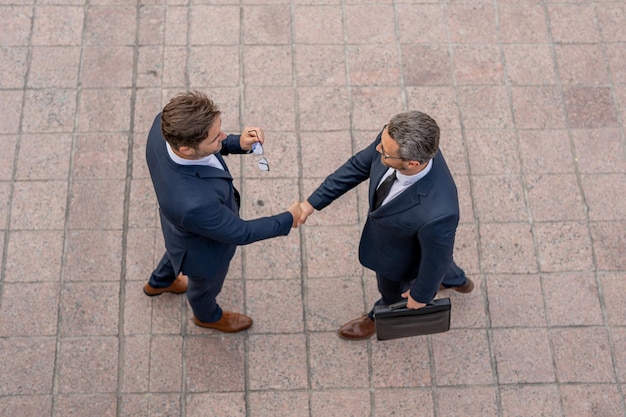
{"type": "Point", "coordinates": [300, 212]}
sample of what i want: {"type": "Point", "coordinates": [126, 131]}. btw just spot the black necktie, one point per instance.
{"type": "Point", "coordinates": [383, 190]}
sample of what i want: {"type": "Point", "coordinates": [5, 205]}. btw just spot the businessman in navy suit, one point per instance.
{"type": "Point", "coordinates": [199, 206]}
{"type": "Point", "coordinates": [408, 238]}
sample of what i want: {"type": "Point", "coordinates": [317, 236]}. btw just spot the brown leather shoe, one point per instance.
{"type": "Point", "coordinates": [179, 286]}
{"type": "Point", "coordinates": [229, 323]}
{"type": "Point", "coordinates": [465, 288]}
{"type": "Point", "coordinates": [358, 329]}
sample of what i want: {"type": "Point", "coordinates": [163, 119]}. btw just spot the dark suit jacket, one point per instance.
{"type": "Point", "coordinates": [200, 212]}
{"type": "Point", "coordinates": [412, 236]}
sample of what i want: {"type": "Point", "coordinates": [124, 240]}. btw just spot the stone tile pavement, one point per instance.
{"type": "Point", "coordinates": [531, 98]}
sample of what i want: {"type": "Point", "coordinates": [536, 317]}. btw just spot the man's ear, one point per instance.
{"type": "Point", "coordinates": [186, 151]}
{"type": "Point", "coordinates": [413, 164]}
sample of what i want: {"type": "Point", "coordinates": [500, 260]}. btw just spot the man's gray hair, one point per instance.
{"type": "Point", "coordinates": [416, 133]}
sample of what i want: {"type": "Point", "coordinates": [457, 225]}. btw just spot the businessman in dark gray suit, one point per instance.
{"type": "Point", "coordinates": [199, 206]}
{"type": "Point", "coordinates": [408, 238]}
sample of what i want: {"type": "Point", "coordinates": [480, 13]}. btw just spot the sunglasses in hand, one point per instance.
{"type": "Point", "coordinates": [257, 149]}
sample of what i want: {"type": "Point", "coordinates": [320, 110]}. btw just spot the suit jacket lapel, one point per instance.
{"type": "Point", "coordinates": [378, 170]}
{"type": "Point", "coordinates": [221, 159]}
{"type": "Point", "coordinates": [409, 197]}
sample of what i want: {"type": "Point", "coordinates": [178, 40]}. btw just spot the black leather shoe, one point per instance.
{"type": "Point", "coordinates": [465, 288]}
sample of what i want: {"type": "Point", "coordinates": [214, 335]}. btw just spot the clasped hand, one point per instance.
{"type": "Point", "coordinates": [300, 212]}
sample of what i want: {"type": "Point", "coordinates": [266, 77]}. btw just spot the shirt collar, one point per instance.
{"type": "Point", "coordinates": [210, 160]}
{"type": "Point", "coordinates": [407, 180]}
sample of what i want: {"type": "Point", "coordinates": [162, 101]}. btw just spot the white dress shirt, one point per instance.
{"type": "Point", "coordinates": [403, 181]}
{"type": "Point", "coordinates": [210, 161]}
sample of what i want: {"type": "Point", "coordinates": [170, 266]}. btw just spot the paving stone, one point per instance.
{"type": "Point", "coordinates": [530, 97]}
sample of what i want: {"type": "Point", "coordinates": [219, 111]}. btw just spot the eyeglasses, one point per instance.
{"type": "Point", "coordinates": [384, 154]}
{"type": "Point", "coordinates": [257, 149]}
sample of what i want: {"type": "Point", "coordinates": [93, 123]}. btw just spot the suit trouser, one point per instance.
{"type": "Point", "coordinates": [391, 290]}
{"type": "Point", "coordinates": [201, 292]}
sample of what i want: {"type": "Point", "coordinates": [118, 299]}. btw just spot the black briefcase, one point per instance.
{"type": "Point", "coordinates": [395, 321]}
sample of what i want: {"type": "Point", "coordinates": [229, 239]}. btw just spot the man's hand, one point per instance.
{"type": "Point", "coordinates": [307, 210]}
{"type": "Point", "coordinates": [250, 136]}
{"type": "Point", "coordinates": [411, 303]}
{"type": "Point", "coordinates": [296, 212]}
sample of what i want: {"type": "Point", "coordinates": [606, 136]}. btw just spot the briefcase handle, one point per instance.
{"type": "Point", "coordinates": [402, 304]}
{"type": "Point", "coordinates": [399, 305]}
